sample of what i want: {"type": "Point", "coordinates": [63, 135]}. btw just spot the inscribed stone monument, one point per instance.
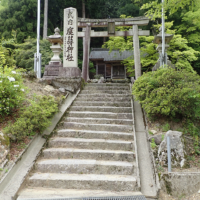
{"type": "Point", "coordinates": [70, 51]}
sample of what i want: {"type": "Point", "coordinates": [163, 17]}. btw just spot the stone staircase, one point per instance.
{"type": "Point", "coordinates": [92, 153]}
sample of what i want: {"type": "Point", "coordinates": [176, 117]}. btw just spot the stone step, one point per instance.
{"type": "Point", "coordinates": [103, 98]}
{"type": "Point", "coordinates": [101, 103]}
{"type": "Point", "coordinates": [116, 96]}
{"type": "Point", "coordinates": [80, 166]}
{"type": "Point", "coordinates": [102, 109]}
{"type": "Point", "coordinates": [102, 87]}
{"type": "Point", "coordinates": [69, 153]}
{"type": "Point", "coordinates": [88, 114]}
{"type": "Point", "coordinates": [49, 193]}
{"type": "Point", "coordinates": [99, 120]}
{"type": "Point", "coordinates": [81, 143]}
{"type": "Point", "coordinates": [107, 84]}
{"type": "Point", "coordinates": [95, 134]}
{"type": "Point", "coordinates": [83, 181]}
{"type": "Point", "coordinates": [98, 127]}
{"type": "Point", "coordinates": [105, 92]}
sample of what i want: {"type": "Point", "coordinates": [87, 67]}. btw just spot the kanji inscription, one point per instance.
{"type": "Point", "coordinates": [70, 38]}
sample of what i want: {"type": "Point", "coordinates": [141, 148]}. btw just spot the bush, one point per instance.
{"type": "Point", "coordinates": [11, 89]}
{"type": "Point", "coordinates": [34, 118]}
{"type": "Point", "coordinates": [169, 92]}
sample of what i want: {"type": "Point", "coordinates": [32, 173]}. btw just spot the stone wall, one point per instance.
{"type": "Point", "coordinates": [177, 184]}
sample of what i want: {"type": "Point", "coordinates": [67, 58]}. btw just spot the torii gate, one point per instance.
{"type": "Point", "coordinates": [87, 33]}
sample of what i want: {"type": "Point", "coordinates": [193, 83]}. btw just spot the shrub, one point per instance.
{"type": "Point", "coordinates": [11, 89]}
{"type": "Point", "coordinates": [169, 92]}
{"type": "Point", "coordinates": [34, 118]}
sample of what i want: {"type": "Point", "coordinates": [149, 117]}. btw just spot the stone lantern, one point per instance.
{"type": "Point", "coordinates": [158, 40]}
{"type": "Point", "coordinates": [56, 40]}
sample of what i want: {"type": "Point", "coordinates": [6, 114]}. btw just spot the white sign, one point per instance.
{"type": "Point", "coordinates": [70, 38]}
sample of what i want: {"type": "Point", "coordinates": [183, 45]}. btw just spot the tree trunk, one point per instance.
{"type": "Point", "coordinates": [45, 27]}
{"type": "Point", "coordinates": [83, 8]}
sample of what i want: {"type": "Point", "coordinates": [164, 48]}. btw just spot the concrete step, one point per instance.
{"type": "Point", "coordinates": [116, 96]}
{"type": "Point", "coordinates": [99, 120]}
{"type": "Point", "coordinates": [102, 109]}
{"type": "Point", "coordinates": [95, 134]}
{"type": "Point", "coordinates": [102, 87]}
{"type": "Point", "coordinates": [105, 91]}
{"type": "Point", "coordinates": [80, 166]}
{"type": "Point", "coordinates": [91, 98]}
{"type": "Point", "coordinates": [69, 153]}
{"type": "Point", "coordinates": [89, 114]}
{"type": "Point", "coordinates": [81, 143]}
{"type": "Point", "coordinates": [107, 84]}
{"type": "Point", "coordinates": [49, 193]}
{"type": "Point", "coordinates": [101, 103]}
{"type": "Point", "coordinates": [98, 127]}
{"type": "Point", "coordinates": [83, 181]}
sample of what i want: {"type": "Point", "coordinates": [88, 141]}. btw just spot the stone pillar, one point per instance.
{"type": "Point", "coordinates": [86, 51]}
{"type": "Point", "coordinates": [70, 38]}
{"type": "Point", "coordinates": [136, 46]}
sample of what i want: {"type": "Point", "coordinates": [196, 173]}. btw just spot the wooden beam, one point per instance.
{"type": "Point", "coordinates": [117, 33]}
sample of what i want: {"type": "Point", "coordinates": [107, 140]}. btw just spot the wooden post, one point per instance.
{"type": "Point", "coordinates": [136, 52]}
{"type": "Point", "coordinates": [86, 49]}
{"type": "Point", "coordinates": [45, 19]}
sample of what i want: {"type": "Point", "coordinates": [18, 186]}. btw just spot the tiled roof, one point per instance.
{"type": "Point", "coordinates": [104, 54]}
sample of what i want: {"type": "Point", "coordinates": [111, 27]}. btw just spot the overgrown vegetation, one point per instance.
{"type": "Point", "coordinates": [173, 95]}
{"type": "Point", "coordinates": [34, 118]}
{"type": "Point", "coordinates": [169, 92]}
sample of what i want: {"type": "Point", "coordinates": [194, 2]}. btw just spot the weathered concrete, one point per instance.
{"type": "Point", "coordinates": [99, 154]}
{"type": "Point", "coordinates": [106, 91]}
{"type": "Point", "coordinates": [86, 114]}
{"type": "Point", "coordinates": [102, 109]}
{"type": "Point", "coordinates": [91, 143]}
{"type": "Point", "coordinates": [98, 127]}
{"type": "Point", "coordinates": [147, 175]}
{"type": "Point", "coordinates": [95, 134]}
{"type": "Point", "coordinates": [112, 104]}
{"type": "Point", "coordinates": [80, 166]}
{"type": "Point", "coordinates": [70, 193]}
{"type": "Point", "coordinates": [100, 121]}
{"type": "Point", "coordinates": [179, 184]}
{"type": "Point", "coordinates": [83, 181]}
{"type": "Point", "coordinates": [89, 134]}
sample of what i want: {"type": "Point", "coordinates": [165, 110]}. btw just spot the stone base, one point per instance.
{"type": "Point", "coordinates": [68, 78]}
{"type": "Point", "coordinates": [56, 70]}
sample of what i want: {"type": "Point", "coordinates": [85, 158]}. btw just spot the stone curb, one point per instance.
{"type": "Point", "coordinates": [135, 143]}
{"type": "Point", "coordinates": [12, 181]}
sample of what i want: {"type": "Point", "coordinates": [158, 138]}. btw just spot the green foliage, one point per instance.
{"type": "Point", "coordinates": [153, 8]}
{"type": "Point", "coordinates": [169, 92]}
{"type": "Point", "coordinates": [11, 89]}
{"type": "Point", "coordinates": [153, 144]}
{"type": "Point", "coordinates": [165, 127]}
{"type": "Point", "coordinates": [25, 53]}
{"type": "Point", "coordinates": [150, 133]}
{"type": "Point", "coordinates": [34, 118]}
